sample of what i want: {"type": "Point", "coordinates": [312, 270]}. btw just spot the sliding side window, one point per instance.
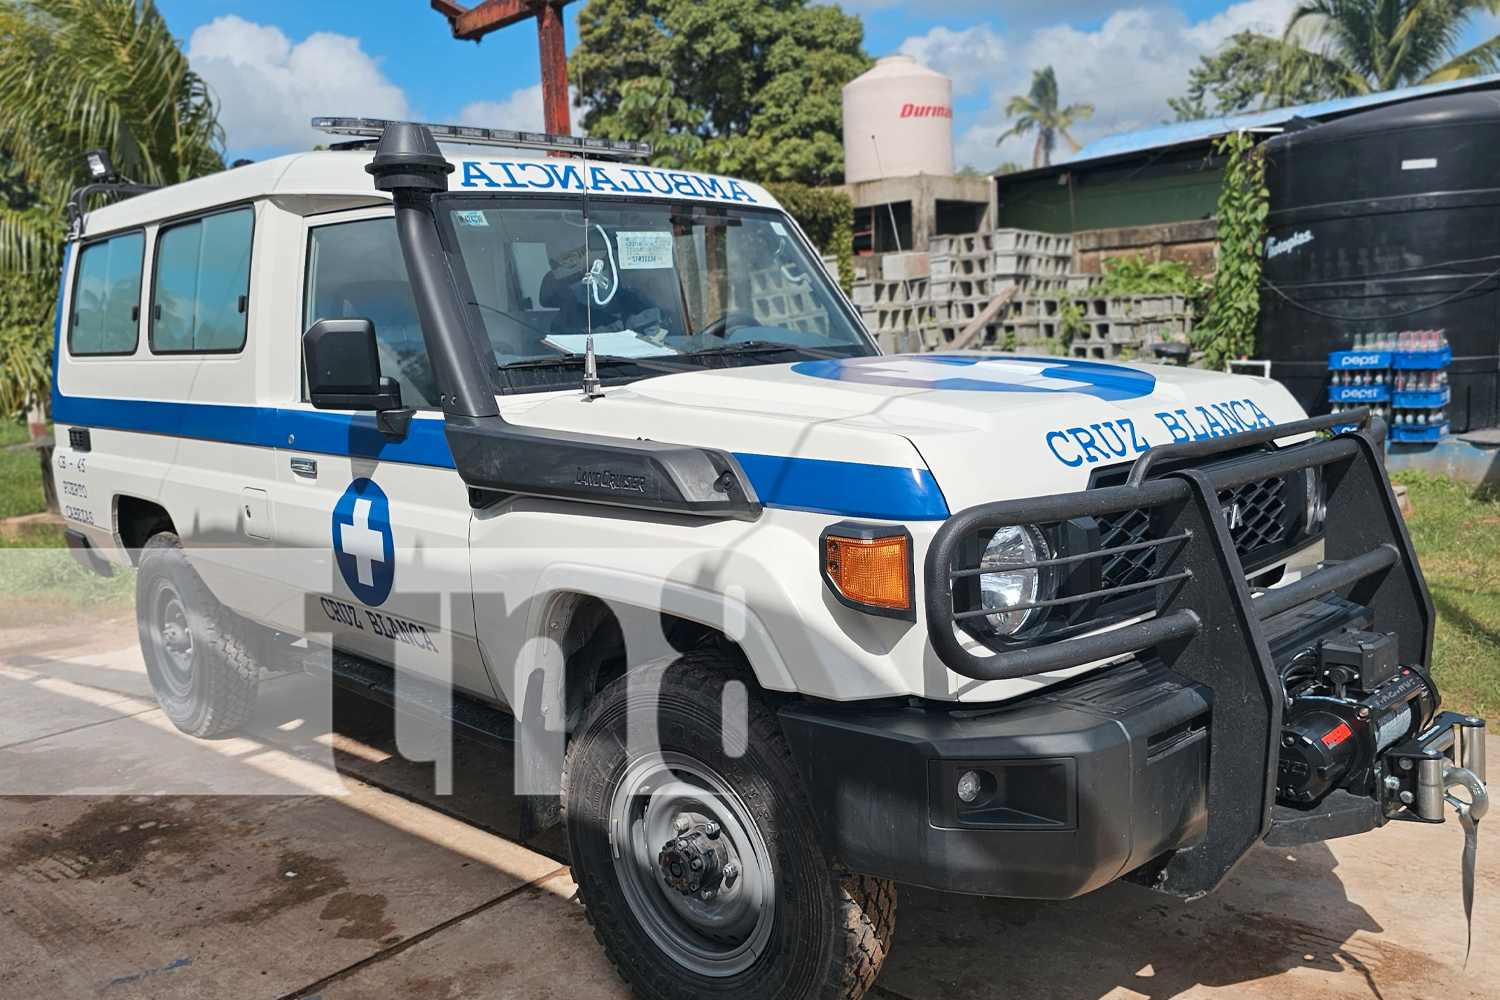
{"type": "Point", "coordinates": [107, 296]}
{"type": "Point", "coordinates": [202, 289]}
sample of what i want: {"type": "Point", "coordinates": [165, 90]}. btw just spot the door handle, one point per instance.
{"type": "Point", "coordinates": [305, 466]}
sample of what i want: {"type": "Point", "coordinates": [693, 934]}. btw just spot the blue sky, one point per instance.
{"type": "Point", "coordinates": [275, 63]}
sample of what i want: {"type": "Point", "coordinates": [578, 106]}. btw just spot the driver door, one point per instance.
{"type": "Point", "coordinates": [385, 523]}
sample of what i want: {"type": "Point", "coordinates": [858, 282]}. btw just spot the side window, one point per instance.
{"type": "Point", "coordinates": [202, 288]}
{"type": "Point", "coordinates": [107, 296]}
{"type": "Point", "coordinates": [355, 269]}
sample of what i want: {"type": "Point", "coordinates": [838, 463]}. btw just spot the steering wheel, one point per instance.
{"type": "Point", "coordinates": [721, 327]}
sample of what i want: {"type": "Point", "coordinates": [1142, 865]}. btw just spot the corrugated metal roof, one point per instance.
{"type": "Point", "coordinates": [1180, 133]}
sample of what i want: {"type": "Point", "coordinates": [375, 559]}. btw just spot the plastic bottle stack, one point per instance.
{"type": "Point", "coordinates": [1402, 377]}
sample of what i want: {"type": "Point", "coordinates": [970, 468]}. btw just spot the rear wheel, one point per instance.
{"type": "Point", "coordinates": [197, 651]}
{"type": "Point", "coordinates": [702, 871]}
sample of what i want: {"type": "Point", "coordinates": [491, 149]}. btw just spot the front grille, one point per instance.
{"type": "Point", "coordinates": [1258, 518]}
{"type": "Point", "coordinates": [1122, 529]}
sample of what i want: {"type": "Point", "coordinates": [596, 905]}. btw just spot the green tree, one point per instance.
{"type": "Point", "coordinates": [1236, 78]}
{"type": "Point", "coordinates": [651, 111]}
{"type": "Point", "coordinates": [1340, 48]}
{"type": "Point", "coordinates": [753, 87]}
{"type": "Point", "coordinates": [1039, 111]}
{"type": "Point", "coordinates": [1365, 46]}
{"type": "Point", "coordinates": [77, 75]}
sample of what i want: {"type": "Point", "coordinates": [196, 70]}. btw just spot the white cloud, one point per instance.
{"type": "Point", "coordinates": [1126, 68]}
{"type": "Point", "coordinates": [521, 111]}
{"type": "Point", "coordinates": [268, 87]}
{"type": "Point", "coordinates": [1014, 12]}
{"type": "Point", "coordinates": [970, 57]}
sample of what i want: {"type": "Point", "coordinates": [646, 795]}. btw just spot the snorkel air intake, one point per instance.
{"type": "Point", "coordinates": [494, 457]}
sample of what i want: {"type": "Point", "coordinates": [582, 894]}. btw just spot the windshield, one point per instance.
{"type": "Point", "coordinates": [663, 286]}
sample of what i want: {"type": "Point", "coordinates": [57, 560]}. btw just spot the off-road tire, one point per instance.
{"type": "Point", "coordinates": [831, 929]}
{"type": "Point", "coordinates": [216, 691]}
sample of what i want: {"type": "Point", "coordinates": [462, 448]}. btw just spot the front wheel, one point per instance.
{"type": "Point", "coordinates": [700, 868]}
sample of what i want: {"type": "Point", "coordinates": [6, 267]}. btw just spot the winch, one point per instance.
{"type": "Point", "coordinates": [1356, 720]}
{"type": "Point", "coordinates": [1348, 700]}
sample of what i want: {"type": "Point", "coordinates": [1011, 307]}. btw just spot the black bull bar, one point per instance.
{"type": "Point", "coordinates": [1207, 622]}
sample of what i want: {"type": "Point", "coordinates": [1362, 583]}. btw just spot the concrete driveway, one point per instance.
{"type": "Point", "coordinates": [343, 876]}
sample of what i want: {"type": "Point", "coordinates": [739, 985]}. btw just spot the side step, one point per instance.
{"type": "Point", "coordinates": [470, 718]}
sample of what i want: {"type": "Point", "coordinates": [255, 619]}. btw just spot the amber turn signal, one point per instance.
{"type": "Point", "coordinates": [870, 571]}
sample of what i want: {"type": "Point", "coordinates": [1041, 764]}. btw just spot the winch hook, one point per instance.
{"type": "Point", "coordinates": [1469, 815]}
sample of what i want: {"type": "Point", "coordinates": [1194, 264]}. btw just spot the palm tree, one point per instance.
{"type": "Point", "coordinates": [77, 75]}
{"type": "Point", "coordinates": [1350, 47]}
{"type": "Point", "coordinates": [1038, 112]}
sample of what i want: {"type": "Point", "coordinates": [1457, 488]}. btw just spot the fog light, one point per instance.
{"type": "Point", "coordinates": [968, 786]}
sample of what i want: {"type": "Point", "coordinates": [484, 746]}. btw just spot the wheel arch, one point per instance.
{"type": "Point", "coordinates": [587, 643]}
{"type": "Point", "coordinates": [136, 520]}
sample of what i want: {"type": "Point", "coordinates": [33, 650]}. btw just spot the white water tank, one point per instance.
{"type": "Point", "coordinates": [898, 122]}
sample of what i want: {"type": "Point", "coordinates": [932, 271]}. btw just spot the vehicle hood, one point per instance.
{"type": "Point", "coordinates": [921, 436]}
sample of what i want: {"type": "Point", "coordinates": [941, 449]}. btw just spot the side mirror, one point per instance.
{"type": "Point", "coordinates": [343, 373]}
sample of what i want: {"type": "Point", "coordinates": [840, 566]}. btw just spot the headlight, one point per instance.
{"type": "Point", "coordinates": [1314, 503]}
{"type": "Point", "coordinates": [1006, 588]}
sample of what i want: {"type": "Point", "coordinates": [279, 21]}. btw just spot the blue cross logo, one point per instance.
{"type": "Point", "coordinates": [362, 542]}
{"type": "Point", "coordinates": [986, 373]}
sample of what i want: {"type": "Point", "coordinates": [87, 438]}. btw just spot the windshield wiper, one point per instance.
{"type": "Point", "coordinates": [575, 360]}
{"type": "Point", "coordinates": [760, 347]}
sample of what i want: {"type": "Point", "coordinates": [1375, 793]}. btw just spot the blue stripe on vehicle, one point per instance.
{"type": "Point", "coordinates": [849, 489]}
{"type": "Point", "coordinates": [314, 431]}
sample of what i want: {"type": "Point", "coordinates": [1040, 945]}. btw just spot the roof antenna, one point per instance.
{"type": "Point", "coordinates": [591, 390]}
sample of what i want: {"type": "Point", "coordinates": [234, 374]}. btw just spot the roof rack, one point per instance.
{"type": "Point", "coordinates": [372, 128]}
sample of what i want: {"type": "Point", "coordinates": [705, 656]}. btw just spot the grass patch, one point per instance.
{"type": "Point", "coordinates": [20, 475]}
{"type": "Point", "coordinates": [43, 586]}
{"type": "Point", "coordinates": [1456, 531]}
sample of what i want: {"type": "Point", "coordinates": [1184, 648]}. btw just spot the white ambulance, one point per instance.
{"type": "Point", "coordinates": [602, 446]}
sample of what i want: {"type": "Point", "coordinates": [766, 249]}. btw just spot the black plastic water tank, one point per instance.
{"type": "Point", "coordinates": [1385, 221]}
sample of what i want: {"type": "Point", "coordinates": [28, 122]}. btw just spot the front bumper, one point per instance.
{"type": "Point", "coordinates": [1170, 766]}
{"type": "Point", "coordinates": [1081, 783]}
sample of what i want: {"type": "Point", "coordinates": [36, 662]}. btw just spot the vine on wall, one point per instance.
{"type": "Point", "coordinates": [1227, 329]}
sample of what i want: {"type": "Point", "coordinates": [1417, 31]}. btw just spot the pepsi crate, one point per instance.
{"type": "Point", "coordinates": [1345, 360]}
{"type": "Point", "coordinates": [1417, 399]}
{"type": "Point", "coordinates": [1418, 435]}
{"type": "Point", "coordinates": [1422, 359]}
{"type": "Point", "coordinates": [1359, 393]}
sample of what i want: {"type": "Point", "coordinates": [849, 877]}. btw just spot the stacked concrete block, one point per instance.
{"type": "Point", "coordinates": [1037, 262]}
{"type": "Point", "coordinates": [783, 302]}
{"type": "Point", "coordinates": [1125, 327]}
{"type": "Point", "coordinates": [891, 310]}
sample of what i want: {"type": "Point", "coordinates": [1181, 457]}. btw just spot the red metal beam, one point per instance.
{"type": "Point", "coordinates": [549, 32]}
{"type": "Point", "coordinates": [472, 24]}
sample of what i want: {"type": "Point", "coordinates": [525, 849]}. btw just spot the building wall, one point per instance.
{"type": "Point", "coordinates": [1190, 242]}
{"type": "Point", "coordinates": [922, 193]}
{"type": "Point", "coordinates": [1179, 186]}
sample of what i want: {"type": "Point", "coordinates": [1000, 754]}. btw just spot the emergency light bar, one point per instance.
{"type": "Point", "coordinates": [372, 128]}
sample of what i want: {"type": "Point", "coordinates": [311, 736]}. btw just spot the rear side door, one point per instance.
{"type": "Point", "coordinates": [390, 519]}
